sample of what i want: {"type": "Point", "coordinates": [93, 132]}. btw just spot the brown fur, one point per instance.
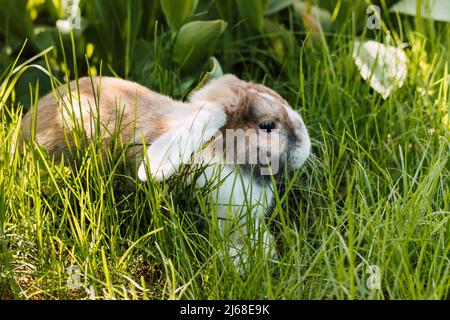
{"type": "Point", "coordinates": [248, 104]}
{"type": "Point", "coordinates": [124, 107]}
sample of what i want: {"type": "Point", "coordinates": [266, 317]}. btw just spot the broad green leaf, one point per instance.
{"type": "Point", "coordinates": [44, 37]}
{"type": "Point", "coordinates": [277, 5]}
{"type": "Point", "coordinates": [383, 66]}
{"type": "Point", "coordinates": [177, 11]}
{"type": "Point", "coordinates": [438, 10]}
{"type": "Point", "coordinates": [215, 70]}
{"type": "Point", "coordinates": [252, 11]}
{"type": "Point", "coordinates": [195, 42]}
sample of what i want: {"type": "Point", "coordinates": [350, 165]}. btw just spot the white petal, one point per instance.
{"type": "Point", "coordinates": [385, 67]}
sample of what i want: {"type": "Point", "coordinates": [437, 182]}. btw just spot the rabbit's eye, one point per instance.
{"type": "Point", "coordinates": [267, 125]}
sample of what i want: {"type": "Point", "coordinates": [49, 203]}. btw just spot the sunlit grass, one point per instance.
{"type": "Point", "coordinates": [375, 192]}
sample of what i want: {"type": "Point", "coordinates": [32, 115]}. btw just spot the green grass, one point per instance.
{"type": "Point", "coordinates": [375, 192]}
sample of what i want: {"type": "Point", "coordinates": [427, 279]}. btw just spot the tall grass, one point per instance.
{"type": "Point", "coordinates": [375, 192]}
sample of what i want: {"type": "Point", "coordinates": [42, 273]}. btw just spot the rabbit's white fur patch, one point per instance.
{"type": "Point", "coordinates": [241, 203]}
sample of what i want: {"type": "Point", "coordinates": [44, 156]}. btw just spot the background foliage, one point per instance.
{"type": "Point", "coordinates": [155, 42]}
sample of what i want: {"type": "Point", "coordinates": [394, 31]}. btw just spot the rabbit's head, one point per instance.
{"type": "Point", "coordinates": [252, 127]}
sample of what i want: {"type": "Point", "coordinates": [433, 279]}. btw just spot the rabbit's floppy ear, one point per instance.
{"type": "Point", "coordinates": [175, 147]}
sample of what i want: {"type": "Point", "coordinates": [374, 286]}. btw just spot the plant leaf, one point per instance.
{"type": "Point", "coordinates": [384, 67]}
{"type": "Point", "coordinates": [44, 37]}
{"type": "Point", "coordinates": [252, 11]}
{"type": "Point", "coordinates": [438, 10]}
{"type": "Point", "coordinates": [177, 11]}
{"type": "Point", "coordinates": [277, 5]}
{"type": "Point", "coordinates": [195, 42]}
{"type": "Point", "coordinates": [215, 70]}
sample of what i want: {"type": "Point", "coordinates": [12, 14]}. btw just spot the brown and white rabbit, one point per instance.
{"type": "Point", "coordinates": [174, 131]}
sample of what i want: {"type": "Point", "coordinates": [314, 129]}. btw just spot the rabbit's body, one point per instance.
{"type": "Point", "coordinates": [118, 107]}
{"type": "Point", "coordinates": [242, 204]}
{"type": "Point", "coordinates": [253, 132]}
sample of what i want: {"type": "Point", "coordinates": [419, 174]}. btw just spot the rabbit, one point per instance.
{"type": "Point", "coordinates": [196, 131]}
